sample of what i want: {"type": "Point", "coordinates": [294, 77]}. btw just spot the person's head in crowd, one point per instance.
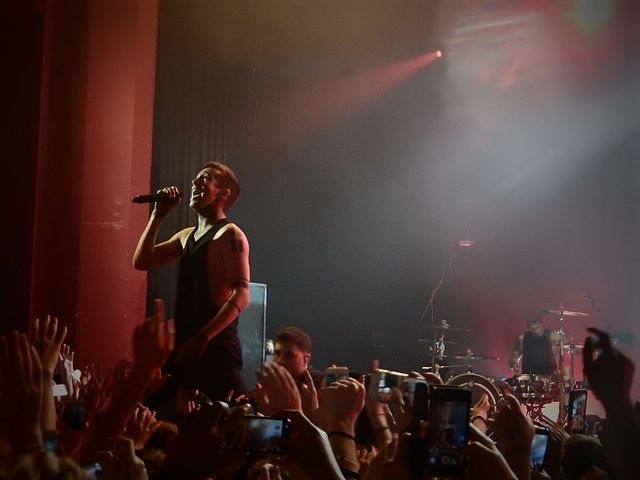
{"type": "Point", "coordinates": [292, 350]}
{"type": "Point", "coordinates": [534, 323]}
{"type": "Point", "coordinates": [583, 457]}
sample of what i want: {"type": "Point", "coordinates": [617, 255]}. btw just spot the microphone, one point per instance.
{"type": "Point", "coordinates": [152, 198]}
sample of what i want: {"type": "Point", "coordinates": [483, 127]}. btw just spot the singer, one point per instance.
{"type": "Point", "coordinates": [213, 284]}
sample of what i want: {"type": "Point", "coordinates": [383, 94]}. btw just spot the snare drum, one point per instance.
{"type": "Point", "coordinates": [478, 385]}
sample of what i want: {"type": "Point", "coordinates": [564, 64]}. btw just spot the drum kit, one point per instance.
{"type": "Point", "coordinates": [533, 391]}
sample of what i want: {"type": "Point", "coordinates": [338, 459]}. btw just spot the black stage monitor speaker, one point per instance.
{"type": "Point", "coordinates": [251, 330]}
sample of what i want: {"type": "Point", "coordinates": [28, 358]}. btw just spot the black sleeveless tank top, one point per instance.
{"type": "Point", "coordinates": [194, 306]}
{"type": "Point", "coordinates": [537, 355]}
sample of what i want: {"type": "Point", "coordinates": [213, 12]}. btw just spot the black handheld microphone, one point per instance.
{"type": "Point", "coordinates": [152, 198]}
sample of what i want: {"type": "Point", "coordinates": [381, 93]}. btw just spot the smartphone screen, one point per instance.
{"type": "Point", "coordinates": [539, 446]}
{"type": "Point", "coordinates": [333, 374]}
{"type": "Point", "coordinates": [448, 430]}
{"type": "Point", "coordinates": [409, 388]}
{"type": "Point", "coordinates": [92, 471]}
{"type": "Point", "coordinates": [383, 382]}
{"type": "Point", "coordinates": [258, 434]}
{"type": "Point", "coordinates": [577, 411]}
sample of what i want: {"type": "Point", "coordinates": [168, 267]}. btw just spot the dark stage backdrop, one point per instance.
{"type": "Point", "coordinates": [363, 160]}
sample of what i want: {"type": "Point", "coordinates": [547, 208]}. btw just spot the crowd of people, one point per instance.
{"type": "Point", "coordinates": [100, 427]}
{"type": "Point", "coordinates": [180, 410]}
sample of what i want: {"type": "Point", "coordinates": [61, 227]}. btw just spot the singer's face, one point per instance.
{"type": "Point", "coordinates": [204, 189]}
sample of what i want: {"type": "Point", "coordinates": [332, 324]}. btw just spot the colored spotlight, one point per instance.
{"type": "Point", "coordinates": [439, 53]}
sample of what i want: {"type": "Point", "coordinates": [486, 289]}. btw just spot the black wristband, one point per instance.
{"type": "Point", "coordinates": [478, 417]}
{"type": "Point", "coordinates": [350, 474]}
{"type": "Point", "coordinates": [341, 434]}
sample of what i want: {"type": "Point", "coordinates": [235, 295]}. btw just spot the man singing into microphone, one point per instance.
{"type": "Point", "coordinates": [213, 285]}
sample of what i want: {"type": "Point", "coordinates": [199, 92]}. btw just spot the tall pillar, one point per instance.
{"type": "Point", "coordinates": [94, 154]}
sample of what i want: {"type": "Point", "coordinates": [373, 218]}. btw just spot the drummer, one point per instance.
{"type": "Point", "coordinates": [534, 346]}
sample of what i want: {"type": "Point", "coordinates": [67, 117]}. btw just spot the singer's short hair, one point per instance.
{"type": "Point", "coordinates": [225, 178]}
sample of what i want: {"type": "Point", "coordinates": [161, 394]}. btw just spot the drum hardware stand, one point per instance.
{"type": "Point", "coordinates": [534, 409]}
{"type": "Point", "coordinates": [566, 383]}
{"type": "Point", "coordinates": [437, 349]}
{"type": "Point", "coordinates": [562, 408]}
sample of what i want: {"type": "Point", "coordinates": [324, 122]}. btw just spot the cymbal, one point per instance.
{"type": "Point", "coordinates": [430, 340]}
{"type": "Point", "coordinates": [444, 367]}
{"type": "Point", "coordinates": [447, 327]}
{"type": "Point", "coordinates": [564, 313]}
{"type": "Point", "coordinates": [471, 356]}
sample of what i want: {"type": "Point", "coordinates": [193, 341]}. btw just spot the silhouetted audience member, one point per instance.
{"type": "Point", "coordinates": [583, 457]}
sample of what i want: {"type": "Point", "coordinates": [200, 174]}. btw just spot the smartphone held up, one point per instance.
{"type": "Point", "coordinates": [259, 435]}
{"type": "Point", "coordinates": [440, 429]}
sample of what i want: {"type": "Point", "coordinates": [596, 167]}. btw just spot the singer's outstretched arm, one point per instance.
{"type": "Point", "coordinates": [148, 254]}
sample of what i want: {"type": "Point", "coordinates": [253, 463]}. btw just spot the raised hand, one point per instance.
{"type": "Point", "coordinates": [340, 404]}
{"type": "Point", "coordinates": [120, 461]}
{"type": "Point", "coordinates": [484, 459]}
{"type": "Point", "coordinates": [21, 377]}
{"type": "Point", "coordinates": [191, 350]}
{"type": "Point", "coordinates": [196, 452]}
{"type": "Point", "coordinates": [380, 416]}
{"type": "Point", "coordinates": [65, 367]}
{"type": "Point", "coordinates": [164, 206]}
{"type": "Point", "coordinates": [278, 389]}
{"type": "Point", "coordinates": [153, 341]}
{"type": "Point", "coordinates": [610, 373]}
{"type": "Point", "coordinates": [267, 471]}
{"type": "Point", "coordinates": [309, 448]}
{"type": "Point", "coordinates": [142, 424]}
{"type": "Point", "coordinates": [309, 396]}
{"type": "Point", "coordinates": [186, 400]}
{"type": "Point", "coordinates": [365, 458]}
{"type": "Point", "coordinates": [95, 390]}
{"type": "Point", "coordinates": [513, 431]}
{"type": "Point", "coordinates": [557, 436]}
{"type": "Point", "coordinates": [480, 413]}
{"type": "Point", "coordinates": [48, 338]}
{"type": "Point", "coordinates": [482, 407]}
{"type": "Point", "coordinates": [395, 464]}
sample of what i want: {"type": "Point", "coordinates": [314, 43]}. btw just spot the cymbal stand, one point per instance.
{"type": "Point", "coordinates": [572, 357]}
{"type": "Point", "coordinates": [562, 410]}
{"type": "Point", "coordinates": [438, 348]}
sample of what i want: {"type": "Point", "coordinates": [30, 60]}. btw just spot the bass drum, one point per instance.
{"type": "Point", "coordinates": [478, 385]}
